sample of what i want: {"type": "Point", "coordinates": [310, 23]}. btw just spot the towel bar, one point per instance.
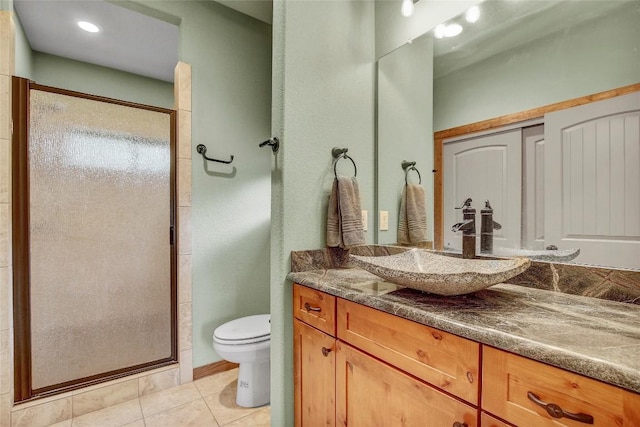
{"type": "Point", "coordinates": [341, 153]}
{"type": "Point", "coordinates": [202, 149]}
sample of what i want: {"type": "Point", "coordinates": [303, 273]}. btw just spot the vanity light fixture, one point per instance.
{"type": "Point", "coordinates": [407, 8]}
{"type": "Point", "coordinates": [473, 14]}
{"type": "Point", "coordinates": [88, 27]}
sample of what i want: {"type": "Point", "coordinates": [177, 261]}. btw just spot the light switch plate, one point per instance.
{"type": "Point", "coordinates": [365, 220]}
{"type": "Point", "coordinates": [384, 220]}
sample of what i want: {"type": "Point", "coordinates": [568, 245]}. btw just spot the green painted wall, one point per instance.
{"type": "Point", "coordinates": [323, 96]}
{"type": "Point", "coordinates": [405, 129]}
{"type": "Point", "coordinates": [66, 73]}
{"type": "Point", "coordinates": [230, 57]}
{"type": "Point", "coordinates": [594, 57]}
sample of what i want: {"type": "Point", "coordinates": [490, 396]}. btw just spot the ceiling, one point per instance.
{"type": "Point", "coordinates": [130, 40]}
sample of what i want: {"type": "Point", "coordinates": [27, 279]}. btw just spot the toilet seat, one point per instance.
{"type": "Point", "coordinates": [245, 330]}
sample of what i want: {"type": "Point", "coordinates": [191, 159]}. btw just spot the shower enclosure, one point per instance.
{"type": "Point", "coordinates": [93, 237]}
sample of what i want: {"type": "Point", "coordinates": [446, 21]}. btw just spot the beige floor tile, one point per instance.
{"type": "Point", "coordinates": [192, 414]}
{"type": "Point", "coordinates": [168, 399]}
{"type": "Point", "coordinates": [114, 416]}
{"type": "Point", "coordinates": [223, 405]}
{"type": "Point", "coordinates": [216, 383]}
{"type": "Point", "coordinates": [65, 423]}
{"type": "Point", "coordinates": [139, 423]}
{"type": "Point", "coordinates": [260, 418]}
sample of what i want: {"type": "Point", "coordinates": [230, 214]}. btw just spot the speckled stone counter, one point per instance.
{"type": "Point", "coordinates": [593, 337]}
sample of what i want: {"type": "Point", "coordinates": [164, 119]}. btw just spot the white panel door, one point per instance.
{"type": "Point", "coordinates": [487, 167]}
{"type": "Point", "coordinates": [592, 181]}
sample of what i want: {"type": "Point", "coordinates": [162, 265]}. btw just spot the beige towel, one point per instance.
{"type": "Point", "coordinates": [344, 218]}
{"type": "Point", "coordinates": [412, 224]}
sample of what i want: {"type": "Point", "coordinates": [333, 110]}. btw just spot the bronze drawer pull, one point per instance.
{"type": "Point", "coordinates": [557, 412]}
{"type": "Point", "coordinates": [308, 307]}
{"type": "Point", "coordinates": [458, 424]}
{"type": "Point", "coordinates": [325, 351]}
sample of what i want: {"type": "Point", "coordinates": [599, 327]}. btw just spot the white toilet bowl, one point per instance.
{"type": "Point", "coordinates": [247, 341]}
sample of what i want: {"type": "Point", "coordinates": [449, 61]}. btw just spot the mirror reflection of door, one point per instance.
{"type": "Point", "coordinates": [592, 180]}
{"type": "Point", "coordinates": [486, 167]}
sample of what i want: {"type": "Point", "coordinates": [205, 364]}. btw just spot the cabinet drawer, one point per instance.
{"type": "Point", "coordinates": [371, 393]}
{"type": "Point", "coordinates": [444, 360]}
{"type": "Point", "coordinates": [511, 383]}
{"type": "Point", "coordinates": [315, 308]}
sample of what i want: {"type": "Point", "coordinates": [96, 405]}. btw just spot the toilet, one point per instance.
{"type": "Point", "coordinates": [247, 341]}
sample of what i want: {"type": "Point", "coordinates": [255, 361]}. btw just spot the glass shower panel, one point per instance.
{"type": "Point", "coordinates": [100, 212]}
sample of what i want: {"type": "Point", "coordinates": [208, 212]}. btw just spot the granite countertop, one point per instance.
{"type": "Point", "coordinates": [593, 337]}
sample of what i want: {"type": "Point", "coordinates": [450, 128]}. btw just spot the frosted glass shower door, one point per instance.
{"type": "Point", "coordinates": [101, 220]}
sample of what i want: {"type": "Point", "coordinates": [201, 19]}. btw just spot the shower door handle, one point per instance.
{"type": "Point", "coordinates": [172, 235]}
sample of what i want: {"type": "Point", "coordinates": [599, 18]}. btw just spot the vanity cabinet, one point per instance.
{"type": "Point", "coordinates": [359, 366]}
{"type": "Point", "coordinates": [380, 370]}
{"type": "Point", "coordinates": [517, 389]}
{"type": "Point", "coordinates": [314, 346]}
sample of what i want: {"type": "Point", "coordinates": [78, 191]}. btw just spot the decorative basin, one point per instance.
{"type": "Point", "coordinates": [438, 274]}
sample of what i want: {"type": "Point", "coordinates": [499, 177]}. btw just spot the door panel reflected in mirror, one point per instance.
{"type": "Point", "coordinates": [523, 56]}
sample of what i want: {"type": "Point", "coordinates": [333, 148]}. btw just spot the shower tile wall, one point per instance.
{"type": "Point", "coordinates": [182, 96]}
{"type": "Point", "coordinates": [7, 61]}
{"type": "Point", "coordinates": [148, 382]}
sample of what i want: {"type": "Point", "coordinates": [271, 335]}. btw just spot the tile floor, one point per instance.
{"type": "Point", "coordinates": [207, 402]}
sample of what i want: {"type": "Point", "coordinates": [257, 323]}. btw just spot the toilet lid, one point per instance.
{"type": "Point", "coordinates": [244, 330]}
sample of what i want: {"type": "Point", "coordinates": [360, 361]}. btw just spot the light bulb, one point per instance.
{"type": "Point", "coordinates": [88, 26]}
{"type": "Point", "coordinates": [453, 30]}
{"type": "Point", "coordinates": [407, 8]}
{"type": "Point", "coordinates": [439, 31]}
{"type": "Point", "coordinates": [473, 14]}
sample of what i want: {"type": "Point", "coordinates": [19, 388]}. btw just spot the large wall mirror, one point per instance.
{"type": "Point", "coordinates": [516, 56]}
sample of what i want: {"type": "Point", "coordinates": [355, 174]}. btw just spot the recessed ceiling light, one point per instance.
{"type": "Point", "coordinates": [88, 26]}
{"type": "Point", "coordinates": [453, 30]}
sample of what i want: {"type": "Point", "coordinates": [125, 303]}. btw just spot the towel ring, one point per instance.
{"type": "Point", "coordinates": [410, 166]}
{"type": "Point", "coordinates": [341, 153]}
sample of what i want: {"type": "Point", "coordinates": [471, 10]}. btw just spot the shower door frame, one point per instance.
{"type": "Point", "coordinates": [23, 390]}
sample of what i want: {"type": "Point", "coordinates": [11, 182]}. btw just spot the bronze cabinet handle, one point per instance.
{"type": "Point", "coordinates": [308, 307]}
{"type": "Point", "coordinates": [557, 412]}
{"type": "Point", "coordinates": [325, 351]}
{"type": "Point", "coordinates": [459, 424]}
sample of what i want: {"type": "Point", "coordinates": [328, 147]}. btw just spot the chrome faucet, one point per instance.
{"type": "Point", "coordinates": [487, 225]}
{"type": "Point", "coordinates": [468, 228]}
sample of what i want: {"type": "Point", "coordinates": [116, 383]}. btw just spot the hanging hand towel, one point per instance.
{"type": "Point", "coordinates": [344, 218]}
{"type": "Point", "coordinates": [412, 224]}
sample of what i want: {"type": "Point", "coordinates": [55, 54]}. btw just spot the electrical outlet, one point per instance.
{"type": "Point", "coordinates": [365, 220]}
{"type": "Point", "coordinates": [384, 220]}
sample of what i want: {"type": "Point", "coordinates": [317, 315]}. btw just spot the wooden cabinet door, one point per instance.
{"type": "Point", "coordinates": [487, 420]}
{"type": "Point", "coordinates": [372, 393]}
{"type": "Point", "coordinates": [314, 376]}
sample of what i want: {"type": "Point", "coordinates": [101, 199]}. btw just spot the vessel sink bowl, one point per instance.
{"type": "Point", "coordinates": [439, 274]}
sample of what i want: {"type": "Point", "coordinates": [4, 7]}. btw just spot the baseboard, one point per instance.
{"type": "Point", "coordinates": [213, 368]}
